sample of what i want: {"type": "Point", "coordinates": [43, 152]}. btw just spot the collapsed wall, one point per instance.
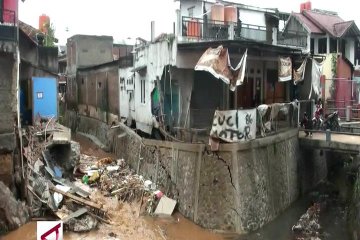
{"type": "Point", "coordinates": [239, 189]}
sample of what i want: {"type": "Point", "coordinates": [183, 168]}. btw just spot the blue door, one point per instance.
{"type": "Point", "coordinates": [44, 94]}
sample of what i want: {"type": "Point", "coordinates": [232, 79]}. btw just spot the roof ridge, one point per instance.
{"type": "Point", "coordinates": [310, 18]}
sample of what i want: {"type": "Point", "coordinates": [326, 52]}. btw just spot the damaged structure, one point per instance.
{"type": "Point", "coordinates": [250, 172]}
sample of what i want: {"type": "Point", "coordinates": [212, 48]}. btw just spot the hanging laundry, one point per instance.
{"type": "Point", "coordinates": [217, 62]}
{"type": "Point", "coordinates": [285, 69]}
{"type": "Point", "coordinates": [299, 73]}
{"type": "Point", "coordinates": [316, 72]}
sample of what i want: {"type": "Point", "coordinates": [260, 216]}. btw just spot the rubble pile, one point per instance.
{"type": "Point", "coordinates": [64, 183]}
{"type": "Point", "coordinates": [122, 183]}
{"type": "Point", "coordinates": [13, 213]}
{"type": "Point", "coordinates": [51, 156]}
{"type": "Point", "coordinates": [113, 178]}
{"type": "Point", "coordinates": [308, 227]}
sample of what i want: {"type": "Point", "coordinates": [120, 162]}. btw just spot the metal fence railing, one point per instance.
{"type": "Point", "coordinates": [209, 29]}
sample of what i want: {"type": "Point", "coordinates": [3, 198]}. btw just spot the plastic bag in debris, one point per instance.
{"type": "Point", "coordinates": [94, 177]}
{"type": "Point", "coordinates": [58, 197]}
{"type": "Point", "coordinates": [147, 184]}
{"type": "Point", "coordinates": [112, 168]}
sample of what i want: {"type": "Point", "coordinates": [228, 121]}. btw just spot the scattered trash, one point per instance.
{"type": "Point", "coordinates": [112, 168]}
{"type": "Point", "coordinates": [59, 197]}
{"type": "Point", "coordinates": [158, 194]}
{"type": "Point", "coordinates": [63, 181]}
{"type": "Point", "coordinates": [308, 226]}
{"type": "Point", "coordinates": [147, 184]}
{"type": "Point", "coordinates": [85, 179]}
{"type": "Point", "coordinates": [165, 207]}
{"type": "Point", "coordinates": [94, 177]}
{"type": "Point", "coordinates": [103, 162]}
{"type": "Point", "coordinates": [53, 162]}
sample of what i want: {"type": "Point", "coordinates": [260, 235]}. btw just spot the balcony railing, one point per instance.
{"type": "Point", "coordinates": [200, 29]}
{"type": "Point", "coordinates": [294, 39]}
{"type": "Point", "coordinates": [255, 32]}
{"type": "Point", "coordinates": [197, 28]}
{"type": "Point", "coordinates": [8, 30]}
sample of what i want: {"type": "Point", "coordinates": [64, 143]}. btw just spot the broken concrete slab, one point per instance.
{"type": "Point", "coordinates": [13, 213]}
{"type": "Point", "coordinates": [62, 136]}
{"type": "Point", "coordinates": [165, 207]}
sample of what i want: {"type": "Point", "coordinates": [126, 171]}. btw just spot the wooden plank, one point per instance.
{"type": "Point", "coordinates": [77, 199]}
{"type": "Point", "coordinates": [75, 214]}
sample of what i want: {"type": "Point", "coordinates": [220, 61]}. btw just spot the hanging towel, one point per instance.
{"type": "Point", "coordinates": [316, 72]}
{"type": "Point", "coordinates": [299, 73]}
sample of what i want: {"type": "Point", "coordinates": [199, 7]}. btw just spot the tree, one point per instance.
{"type": "Point", "coordinates": [50, 39]}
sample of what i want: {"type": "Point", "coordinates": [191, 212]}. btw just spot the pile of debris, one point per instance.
{"type": "Point", "coordinates": [51, 157]}
{"type": "Point", "coordinates": [308, 227]}
{"type": "Point", "coordinates": [115, 178]}
{"type": "Point", "coordinates": [62, 182]}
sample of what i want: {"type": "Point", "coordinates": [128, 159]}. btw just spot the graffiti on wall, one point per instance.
{"type": "Point", "coordinates": [234, 125]}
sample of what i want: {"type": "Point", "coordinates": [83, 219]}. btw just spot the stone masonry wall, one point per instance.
{"type": "Point", "coordinates": [238, 189]}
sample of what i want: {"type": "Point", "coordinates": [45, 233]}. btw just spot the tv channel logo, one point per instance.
{"type": "Point", "coordinates": [49, 230]}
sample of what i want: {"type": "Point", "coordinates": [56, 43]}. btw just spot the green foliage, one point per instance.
{"type": "Point", "coordinates": [334, 74]}
{"type": "Point", "coordinates": [50, 39]}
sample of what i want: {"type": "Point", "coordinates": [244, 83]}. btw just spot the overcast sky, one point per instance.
{"type": "Point", "coordinates": [131, 18]}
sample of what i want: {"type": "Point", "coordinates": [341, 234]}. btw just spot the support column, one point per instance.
{"type": "Point", "coordinates": [197, 183]}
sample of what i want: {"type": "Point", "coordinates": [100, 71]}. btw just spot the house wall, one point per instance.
{"type": "Point", "coordinates": [8, 68]}
{"type": "Point", "coordinates": [28, 49]}
{"type": "Point", "coordinates": [150, 60]}
{"type": "Point", "coordinates": [98, 93]}
{"type": "Point", "coordinates": [328, 72]}
{"type": "Point", "coordinates": [350, 50]}
{"type": "Point", "coordinates": [343, 88]}
{"type": "Point", "coordinates": [85, 51]}
{"type": "Point", "coordinates": [126, 97]}
{"type": "Point", "coordinates": [205, 100]}
{"type": "Point", "coordinates": [239, 189]}
{"type": "Point", "coordinates": [185, 79]}
{"type": "Point", "coordinates": [187, 59]}
{"type": "Point", "coordinates": [48, 58]}
{"type": "Point", "coordinates": [198, 8]}
{"type": "Point", "coordinates": [252, 17]}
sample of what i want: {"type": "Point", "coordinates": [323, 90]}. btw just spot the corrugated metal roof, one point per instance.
{"type": "Point", "coordinates": [29, 30]}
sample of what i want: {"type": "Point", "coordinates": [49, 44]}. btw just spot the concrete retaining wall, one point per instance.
{"type": "Point", "coordinates": [238, 189]}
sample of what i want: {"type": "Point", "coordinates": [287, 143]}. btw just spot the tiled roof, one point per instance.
{"type": "Point", "coordinates": [323, 20]}
{"type": "Point", "coordinates": [308, 24]}
{"type": "Point", "coordinates": [341, 28]}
